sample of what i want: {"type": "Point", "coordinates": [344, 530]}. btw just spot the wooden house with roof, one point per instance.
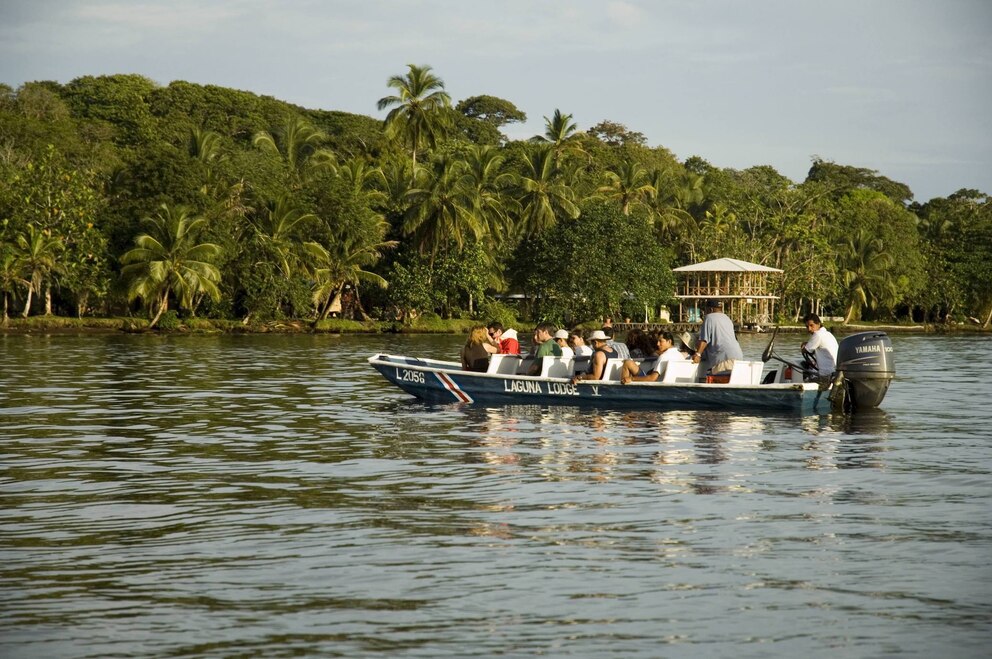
{"type": "Point", "coordinates": [744, 288]}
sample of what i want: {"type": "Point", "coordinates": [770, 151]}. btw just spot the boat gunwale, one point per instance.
{"type": "Point", "coordinates": [455, 367]}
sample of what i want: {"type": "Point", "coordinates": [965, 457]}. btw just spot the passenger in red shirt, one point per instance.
{"type": "Point", "coordinates": [505, 340]}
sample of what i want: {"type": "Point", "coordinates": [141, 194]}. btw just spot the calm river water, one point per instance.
{"type": "Point", "coordinates": [218, 496]}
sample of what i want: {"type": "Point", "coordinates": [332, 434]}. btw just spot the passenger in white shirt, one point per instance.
{"type": "Point", "coordinates": [666, 352]}
{"type": "Point", "coordinates": [822, 344]}
{"type": "Point", "coordinates": [578, 344]}
{"type": "Point", "coordinates": [561, 338]}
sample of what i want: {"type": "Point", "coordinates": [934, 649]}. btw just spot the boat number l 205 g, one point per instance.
{"type": "Point", "coordinates": [409, 376]}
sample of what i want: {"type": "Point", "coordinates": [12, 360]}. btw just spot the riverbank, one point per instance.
{"type": "Point", "coordinates": [430, 325]}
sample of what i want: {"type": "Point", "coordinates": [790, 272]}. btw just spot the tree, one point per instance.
{"type": "Point", "coordinates": [542, 193]}
{"type": "Point", "coordinates": [572, 272]}
{"type": "Point", "coordinates": [37, 253]}
{"type": "Point", "coordinates": [561, 133]}
{"type": "Point", "coordinates": [863, 264]}
{"type": "Point", "coordinates": [441, 208]}
{"type": "Point", "coordinates": [10, 278]}
{"type": "Point", "coordinates": [168, 260]}
{"type": "Point", "coordinates": [299, 144]}
{"type": "Point", "coordinates": [417, 116]}
{"type": "Point", "coordinates": [616, 134]}
{"type": "Point", "coordinates": [844, 178]}
{"type": "Point", "coordinates": [495, 111]}
{"type": "Point", "coordinates": [628, 184]}
{"type": "Point", "coordinates": [277, 225]}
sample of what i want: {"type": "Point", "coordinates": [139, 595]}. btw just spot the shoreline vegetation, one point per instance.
{"type": "Point", "coordinates": [132, 325]}
{"type": "Point", "coordinates": [179, 203]}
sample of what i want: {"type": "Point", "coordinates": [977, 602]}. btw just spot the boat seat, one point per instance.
{"type": "Point", "coordinates": [745, 372]}
{"type": "Point", "coordinates": [504, 364]}
{"type": "Point", "coordinates": [680, 372]}
{"type": "Point", "coordinates": [612, 369]}
{"type": "Point", "coordinates": [557, 367]}
{"type": "Point", "coordinates": [523, 366]}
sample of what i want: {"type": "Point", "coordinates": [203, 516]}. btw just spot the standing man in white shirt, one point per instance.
{"type": "Point", "coordinates": [822, 344]}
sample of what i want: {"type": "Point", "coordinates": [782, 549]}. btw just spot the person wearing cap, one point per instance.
{"type": "Point", "coordinates": [561, 338]}
{"type": "Point", "coordinates": [506, 340]}
{"type": "Point", "coordinates": [718, 348]}
{"type": "Point", "coordinates": [623, 352]}
{"type": "Point", "coordinates": [544, 346]}
{"type": "Point", "coordinates": [822, 344]}
{"type": "Point", "coordinates": [600, 353]}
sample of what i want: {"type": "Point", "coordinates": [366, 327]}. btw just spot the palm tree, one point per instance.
{"type": "Point", "coordinates": [364, 180]}
{"type": "Point", "coordinates": [38, 251]}
{"type": "Point", "coordinates": [487, 187]}
{"type": "Point", "coordinates": [542, 193]}
{"type": "Point", "coordinates": [10, 277]}
{"type": "Point", "coordinates": [863, 263]}
{"type": "Point", "coordinates": [561, 132]}
{"type": "Point", "coordinates": [167, 260]}
{"type": "Point", "coordinates": [628, 184]}
{"type": "Point", "coordinates": [419, 104]}
{"type": "Point", "coordinates": [441, 208]}
{"type": "Point", "coordinates": [277, 226]}
{"type": "Point", "coordinates": [344, 263]}
{"type": "Point", "coordinates": [299, 144]}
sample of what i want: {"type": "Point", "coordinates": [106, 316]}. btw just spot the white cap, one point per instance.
{"type": "Point", "coordinates": [561, 334]}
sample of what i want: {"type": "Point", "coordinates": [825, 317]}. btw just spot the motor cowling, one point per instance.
{"type": "Point", "coordinates": [865, 364]}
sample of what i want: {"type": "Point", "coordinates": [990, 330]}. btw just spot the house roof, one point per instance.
{"type": "Point", "coordinates": [725, 265]}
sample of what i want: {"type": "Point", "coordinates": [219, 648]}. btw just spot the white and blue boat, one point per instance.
{"type": "Point", "coordinates": [865, 369]}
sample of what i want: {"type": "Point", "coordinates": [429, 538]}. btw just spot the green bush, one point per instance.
{"type": "Point", "coordinates": [169, 321]}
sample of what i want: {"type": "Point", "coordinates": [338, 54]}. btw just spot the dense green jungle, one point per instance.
{"type": "Point", "coordinates": [185, 203]}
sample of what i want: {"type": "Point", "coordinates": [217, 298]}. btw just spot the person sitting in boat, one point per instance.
{"type": "Point", "coordinates": [561, 338]}
{"type": "Point", "coordinates": [505, 340]}
{"type": "Point", "coordinates": [475, 354]}
{"type": "Point", "coordinates": [544, 346]}
{"type": "Point", "coordinates": [821, 344]}
{"type": "Point", "coordinates": [686, 344]}
{"type": "Point", "coordinates": [578, 344]}
{"type": "Point", "coordinates": [623, 352]}
{"type": "Point", "coordinates": [665, 351]}
{"type": "Point", "coordinates": [718, 348]}
{"type": "Point", "coordinates": [641, 344]}
{"type": "Point", "coordinates": [600, 353]}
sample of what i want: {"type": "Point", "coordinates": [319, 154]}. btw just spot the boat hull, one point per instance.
{"type": "Point", "coordinates": [445, 382]}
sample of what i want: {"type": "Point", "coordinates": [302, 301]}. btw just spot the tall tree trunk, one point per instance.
{"type": "Point", "coordinates": [162, 308]}
{"type": "Point", "coordinates": [27, 303]}
{"type": "Point", "coordinates": [6, 316]}
{"type": "Point", "coordinates": [358, 304]}
{"type": "Point", "coordinates": [81, 304]}
{"type": "Point", "coordinates": [330, 303]}
{"type": "Point", "coordinates": [988, 319]}
{"type": "Point", "coordinates": [48, 299]}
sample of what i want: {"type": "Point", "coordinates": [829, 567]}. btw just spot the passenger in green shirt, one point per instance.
{"type": "Point", "coordinates": [544, 346]}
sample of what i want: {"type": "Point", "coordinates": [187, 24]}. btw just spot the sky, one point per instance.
{"type": "Point", "coordinates": [903, 87]}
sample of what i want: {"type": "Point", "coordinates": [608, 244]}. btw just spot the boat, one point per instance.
{"type": "Point", "coordinates": [864, 370]}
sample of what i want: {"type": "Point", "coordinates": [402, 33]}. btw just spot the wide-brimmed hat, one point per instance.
{"type": "Point", "coordinates": [688, 339]}
{"type": "Point", "coordinates": [561, 334]}
{"type": "Point", "coordinates": [598, 335]}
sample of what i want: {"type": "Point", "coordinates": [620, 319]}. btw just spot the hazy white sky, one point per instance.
{"type": "Point", "coordinates": [900, 86]}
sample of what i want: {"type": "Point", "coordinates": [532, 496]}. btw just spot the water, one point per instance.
{"type": "Point", "coordinates": [215, 496]}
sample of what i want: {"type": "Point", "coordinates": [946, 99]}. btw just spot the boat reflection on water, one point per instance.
{"type": "Point", "coordinates": [848, 441]}
{"type": "Point", "coordinates": [571, 444]}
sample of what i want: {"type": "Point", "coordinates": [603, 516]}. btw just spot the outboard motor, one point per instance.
{"type": "Point", "coordinates": [865, 369]}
